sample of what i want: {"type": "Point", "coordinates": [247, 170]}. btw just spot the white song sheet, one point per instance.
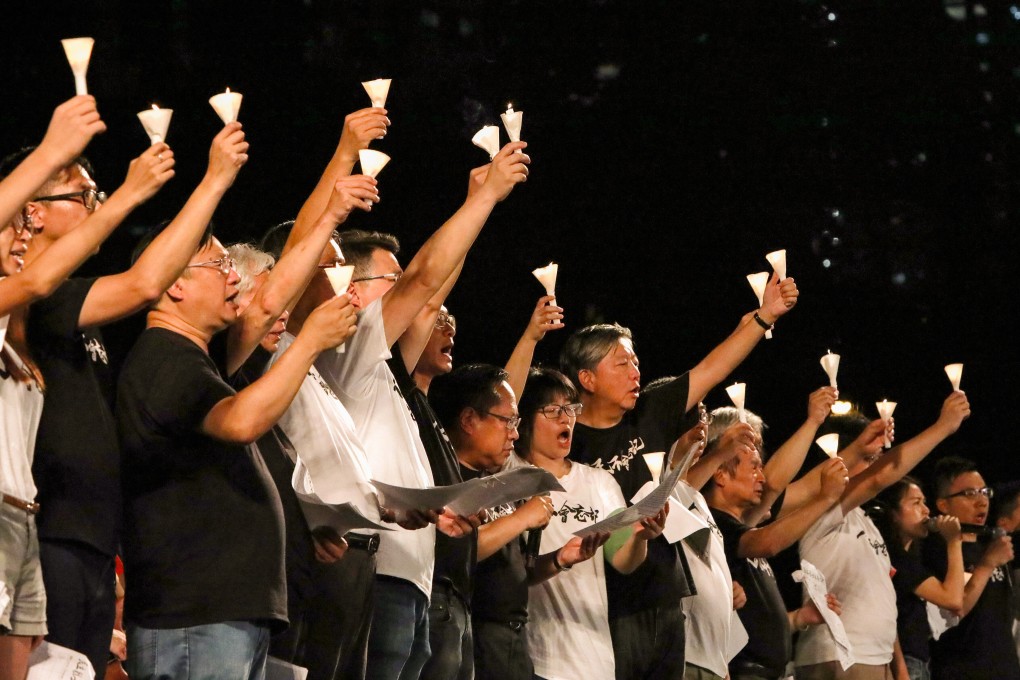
{"type": "Point", "coordinates": [814, 583]}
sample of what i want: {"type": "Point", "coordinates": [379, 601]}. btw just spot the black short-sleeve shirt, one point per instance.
{"type": "Point", "coordinates": [982, 645]}
{"type": "Point", "coordinates": [455, 557]}
{"type": "Point", "coordinates": [912, 626]}
{"type": "Point", "coordinates": [203, 530]}
{"type": "Point", "coordinates": [764, 615]}
{"type": "Point", "coordinates": [654, 425]}
{"type": "Point", "coordinates": [77, 458]}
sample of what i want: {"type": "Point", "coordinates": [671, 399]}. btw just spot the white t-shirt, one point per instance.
{"type": "Point", "coordinates": [568, 615]}
{"type": "Point", "coordinates": [361, 379]}
{"type": "Point", "coordinates": [853, 556]}
{"type": "Point", "coordinates": [327, 444]}
{"type": "Point", "coordinates": [709, 612]}
{"type": "Point", "coordinates": [20, 409]}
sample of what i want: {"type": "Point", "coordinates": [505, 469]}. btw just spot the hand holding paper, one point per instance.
{"type": "Point", "coordinates": [814, 584]}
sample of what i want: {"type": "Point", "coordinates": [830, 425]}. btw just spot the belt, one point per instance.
{"type": "Point", "coordinates": [738, 668]}
{"type": "Point", "coordinates": [28, 506]}
{"type": "Point", "coordinates": [366, 542]}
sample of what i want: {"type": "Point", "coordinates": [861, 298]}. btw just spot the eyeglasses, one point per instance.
{"type": "Point", "coordinates": [223, 265]}
{"type": "Point", "coordinates": [446, 319]}
{"type": "Point", "coordinates": [90, 198]}
{"type": "Point", "coordinates": [511, 422]}
{"type": "Point", "coordinates": [394, 277]}
{"type": "Point", "coordinates": [554, 411]}
{"type": "Point", "coordinates": [972, 494]}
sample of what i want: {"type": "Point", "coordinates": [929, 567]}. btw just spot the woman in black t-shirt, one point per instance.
{"type": "Point", "coordinates": [903, 518]}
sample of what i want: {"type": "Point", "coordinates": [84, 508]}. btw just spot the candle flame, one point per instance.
{"type": "Point", "coordinates": [155, 108]}
{"type": "Point", "coordinates": [228, 91]}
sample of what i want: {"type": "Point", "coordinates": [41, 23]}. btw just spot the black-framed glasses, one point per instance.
{"type": "Point", "coordinates": [90, 198]}
{"type": "Point", "coordinates": [393, 277]}
{"type": "Point", "coordinates": [971, 494]}
{"type": "Point", "coordinates": [554, 411]}
{"type": "Point", "coordinates": [446, 319]}
{"type": "Point", "coordinates": [222, 265]}
{"type": "Point", "coordinates": [511, 422]}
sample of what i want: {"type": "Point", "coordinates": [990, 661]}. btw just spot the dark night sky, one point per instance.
{"type": "Point", "coordinates": [673, 145]}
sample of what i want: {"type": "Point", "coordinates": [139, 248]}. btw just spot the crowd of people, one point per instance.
{"type": "Point", "coordinates": [232, 467]}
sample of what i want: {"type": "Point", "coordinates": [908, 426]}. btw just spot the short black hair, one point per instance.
{"type": "Point", "coordinates": [358, 245]}
{"type": "Point", "coordinates": [470, 386]}
{"type": "Point", "coordinates": [275, 239]}
{"type": "Point", "coordinates": [946, 472]}
{"type": "Point", "coordinates": [13, 160]}
{"type": "Point", "coordinates": [1007, 497]}
{"type": "Point", "coordinates": [544, 385]}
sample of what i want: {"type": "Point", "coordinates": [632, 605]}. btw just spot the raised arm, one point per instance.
{"type": "Point", "coordinates": [288, 279]}
{"type": "Point", "coordinates": [736, 440]}
{"type": "Point", "coordinates": [546, 317]}
{"type": "Point", "coordinates": [72, 127]}
{"type": "Point", "coordinates": [901, 460]}
{"type": "Point", "coordinates": [769, 540]}
{"type": "Point", "coordinates": [949, 592]}
{"type": "Point", "coordinates": [779, 299]}
{"type": "Point", "coordinates": [998, 554]}
{"type": "Point", "coordinates": [786, 462]}
{"type": "Point", "coordinates": [438, 257]}
{"type": "Point", "coordinates": [247, 415]}
{"type": "Point", "coordinates": [146, 174]}
{"type": "Point", "coordinates": [360, 128]}
{"type": "Point", "coordinates": [114, 297]}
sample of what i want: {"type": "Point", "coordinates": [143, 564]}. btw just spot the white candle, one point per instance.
{"type": "Point", "coordinates": [830, 362]}
{"type": "Point", "coordinates": [79, 52]}
{"type": "Point", "coordinates": [340, 279]}
{"type": "Point", "coordinates": [156, 122]}
{"type": "Point", "coordinates": [758, 282]}
{"type": "Point", "coordinates": [547, 277]}
{"type": "Point", "coordinates": [372, 161]}
{"type": "Point", "coordinates": [512, 120]}
{"type": "Point", "coordinates": [737, 392]}
{"type": "Point", "coordinates": [377, 91]}
{"type": "Point", "coordinates": [777, 259]}
{"type": "Point", "coordinates": [829, 444]}
{"type": "Point", "coordinates": [487, 139]}
{"type": "Point", "coordinates": [885, 411]}
{"type": "Point", "coordinates": [954, 372]}
{"type": "Point", "coordinates": [654, 463]}
{"type": "Point", "coordinates": [227, 105]}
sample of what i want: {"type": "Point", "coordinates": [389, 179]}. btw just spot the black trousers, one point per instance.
{"type": "Point", "coordinates": [501, 651]}
{"type": "Point", "coordinates": [649, 645]}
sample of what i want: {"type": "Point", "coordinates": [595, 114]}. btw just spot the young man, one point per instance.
{"type": "Point", "coordinates": [617, 424]}
{"type": "Point", "coordinates": [981, 645]}
{"type": "Point", "coordinates": [203, 539]}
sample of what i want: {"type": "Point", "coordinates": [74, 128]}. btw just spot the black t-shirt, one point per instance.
{"type": "Point", "coordinates": [982, 645]}
{"type": "Point", "coordinates": [911, 615]}
{"type": "Point", "coordinates": [203, 530]}
{"type": "Point", "coordinates": [77, 459]}
{"type": "Point", "coordinates": [654, 425]}
{"type": "Point", "coordinates": [455, 557]}
{"type": "Point", "coordinates": [501, 580]}
{"type": "Point", "coordinates": [764, 615]}
{"type": "Point", "coordinates": [278, 454]}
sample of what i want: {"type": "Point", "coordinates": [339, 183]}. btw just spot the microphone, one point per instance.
{"type": "Point", "coordinates": [981, 530]}
{"type": "Point", "coordinates": [533, 546]}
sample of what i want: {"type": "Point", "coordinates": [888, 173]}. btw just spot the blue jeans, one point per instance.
{"type": "Point", "coordinates": [398, 644]}
{"type": "Point", "coordinates": [233, 650]}
{"type": "Point", "coordinates": [917, 669]}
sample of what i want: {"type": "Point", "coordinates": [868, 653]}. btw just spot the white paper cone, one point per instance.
{"type": "Point", "coordinates": [777, 259]}
{"type": "Point", "coordinates": [954, 372]}
{"type": "Point", "coordinates": [547, 277]}
{"type": "Point", "coordinates": [737, 392]}
{"type": "Point", "coordinates": [79, 52]}
{"type": "Point", "coordinates": [654, 463]}
{"type": "Point", "coordinates": [156, 123]}
{"type": "Point", "coordinates": [377, 90]}
{"type": "Point", "coordinates": [487, 139]}
{"type": "Point", "coordinates": [512, 121]}
{"type": "Point", "coordinates": [830, 363]}
{"type": "Point", "coordinates": [885, 411]}
{"type": "Point", "coordinates": [758, 282]}
{"type": "Point", "coordinates": [227, 105]}
{"type": "Point", "coordinates": [340, 279]}
{"type": "Point", "coordinates": [829, 444]}
{"type": "Point", "coordinates": [372, 161]}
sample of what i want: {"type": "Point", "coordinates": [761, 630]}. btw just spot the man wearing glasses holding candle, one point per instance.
{"type": "Point", "coordinates": [981, 645]}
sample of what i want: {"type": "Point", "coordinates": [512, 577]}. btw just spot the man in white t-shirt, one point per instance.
{"type": "Point", "coordinates": [395, 306]}
{"type": "Point", "coordinates": [848, 549]}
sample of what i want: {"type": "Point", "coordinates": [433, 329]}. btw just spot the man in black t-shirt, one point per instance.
{"type": "Point", "coordinates": [79, 476]}
{"type": "Point", "coordinates": [618, 423]}
{"type": "Point", "coordinates": [981, 645]}
{"type": "Point", "coordinates": [203, 537]}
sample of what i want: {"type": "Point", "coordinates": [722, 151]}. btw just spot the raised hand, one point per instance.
{"type": "Point", "coordinates": [330, 323]}
{"type": "Point", "coordinates": [546, 317]}
{"type": "Point", "coordinates": [229, 152]}
{"type": "Point", "coordinates": [779, 298]}
{"type": "Point", "coordinates": [72, 127]}
{"type": "Point", "coordinates": [834, 479]}
{"type": "Point", "coordinates": [355, 191]}
{"type": "Point", "coordinates": [820, 404]}
{"type": "Point", "coordinates": [955, 409]}
{"type": "Point", "coordinates": [149, 172]}
{"type": "Point", "coordinates": [360, 128]}
{"type": "Point", "coordinates": [949, 527]}
{"type": "Point", "coordinates": [507, 170]}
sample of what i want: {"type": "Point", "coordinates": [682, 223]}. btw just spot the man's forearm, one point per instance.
{"type": "Point", "coordinates": [20, 187]}
{"type": "Point", "coordinates": [722, 360]}
{"type": "Point", "coordinates": [770, 540]}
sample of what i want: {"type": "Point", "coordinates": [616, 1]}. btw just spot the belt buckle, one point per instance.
{"type": "Point", "coordinates": [32, 508]}
{"type": "Point", "coordinates": [373, 544]}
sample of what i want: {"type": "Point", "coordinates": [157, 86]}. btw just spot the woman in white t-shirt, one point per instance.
{"type": "Point", "coordinates": [568, 628]}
